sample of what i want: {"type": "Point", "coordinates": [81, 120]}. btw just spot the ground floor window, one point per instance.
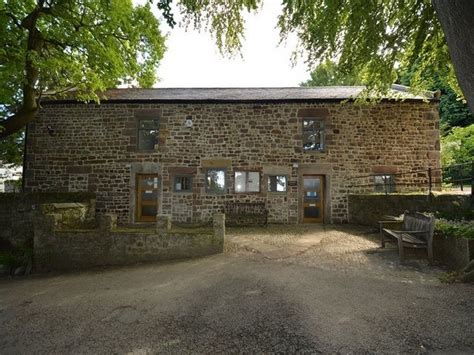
{"type": "Point", "coordinates": [215, 180]}
{"type": "Point", "coordinates": [277, 183]}
{"type": "Point", "coordinates": [384, 183]}
{"type": "Point", "coordinates": [183, 183]}
{"type": "Point", "coordinates": [247, 181]}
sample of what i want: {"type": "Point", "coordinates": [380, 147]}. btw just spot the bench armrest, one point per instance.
{"type": "Point", "coordinates": [415, 232]}
{"type": "Point", "coordinates": [389, 222]}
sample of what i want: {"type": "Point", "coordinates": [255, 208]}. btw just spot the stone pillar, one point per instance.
{"type": "Point", "coordinates": [218, 223]}
{"type": "Point", "coordinates": [108, 222]}
{"type": "Point", "coordinates": [163, 222]}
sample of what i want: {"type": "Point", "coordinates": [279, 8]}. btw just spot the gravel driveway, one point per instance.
{"type": "Point", "coordinates": [281, 289]}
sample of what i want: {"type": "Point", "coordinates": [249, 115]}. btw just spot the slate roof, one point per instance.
{"type": "Point", "coordinates": [287, 94]}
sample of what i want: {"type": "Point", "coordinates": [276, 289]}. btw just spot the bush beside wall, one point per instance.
{"type": "Point", "coordinates": [370, 208]}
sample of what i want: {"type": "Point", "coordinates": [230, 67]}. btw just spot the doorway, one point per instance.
{"type": "Point", "coordinates": [147, 197]}
{"type": "Point", "coordinates": [313, 198]}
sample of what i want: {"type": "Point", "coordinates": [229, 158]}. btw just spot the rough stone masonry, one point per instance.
{"type": "Point", "coordinates": [74, 146]}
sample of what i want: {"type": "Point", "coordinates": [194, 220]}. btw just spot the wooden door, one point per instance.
{"type": "Point", "coordinates": [147, 197]}
{"type": "Point", "coordinates": [313, 198]}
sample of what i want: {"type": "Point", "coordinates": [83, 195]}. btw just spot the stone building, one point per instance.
{"type": "Point", "coordinates": [189, 152]}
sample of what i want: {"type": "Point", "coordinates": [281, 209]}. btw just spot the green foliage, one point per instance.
{"type": "Point", "coordinates": [16, 184]}
{"type": "Point", "coordinates": [328, 74]}
{"type": "Point", "coordinates": [87, 46]}
{"type": "Point", "coordinates": [458, 229]}
{"type": "Point", "coordinates": [453, 111]}
{"type": "Point", "coordinates": [450, 277]}
{"type": "Point", "coordinates": [15, 256]}
{"type": "Point", "coordinates": [458, 146]}
{"type": "Point", "coordinates": [368, 37]}
{"type": "Point", "coordinates": [11, 149]}
{"type": "Point", "coordinates": [222, 17]}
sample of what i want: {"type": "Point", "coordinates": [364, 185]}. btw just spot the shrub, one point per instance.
{"type": "Point", "coordinates": [459, 229]}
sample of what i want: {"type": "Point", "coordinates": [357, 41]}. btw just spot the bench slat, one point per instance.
{"type": "Point", "coordinates": [407, 238]}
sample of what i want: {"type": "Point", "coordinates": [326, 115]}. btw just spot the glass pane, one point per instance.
{"type": "Point", "coordinates": [253, 182]}
{"type": "Point", "coordinates": [313, 131]}
{"type": "Point", "coordinates": [240, 181]}
{"type": "Point", "coordinates": [149, 210]}
{"type": "Point", "coordinates": [149, 182]}
{"type": "Point", "coordinates": [311, 212]}
{"type": "Point", "coordinates": [182, 183]}
{"type": "Point", "coordinates": [277, 183]}
{"type": "Point", "coordinates": [384, 183]}
{"type": "Point", "coordinates": [312, 184]}
{"type": "Point", "coordinates": [149, 124]}
{"type": "Point", "coordinates": [216, 180]}
{"type": "Point", "coordinates": [312, 196]}
{"type": "Point", "coordinates": [149, 195]}
{"type": "Point", "coordinates": [147, 139]}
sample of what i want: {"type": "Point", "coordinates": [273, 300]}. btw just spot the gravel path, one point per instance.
{"type": "Point", "coordinates": [286, 290]}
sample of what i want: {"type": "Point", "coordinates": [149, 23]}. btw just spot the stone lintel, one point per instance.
{"type": "Point", "coordinates": [313, 112]}
{"type": "Point", "coordinates": [216, 163]}
{"type": "Point", "coordinates": [147, 113]}
{"type": "Point", "coordinates": [384, 169]}
{"type": "Point", "coordinates": [276, 170]}
{"type": "Point", "coordinates": [181, 170]}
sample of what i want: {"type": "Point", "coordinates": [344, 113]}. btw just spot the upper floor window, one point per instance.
{"type": "Point", "coordinates": [277, 183]}
{"type": "Point", "coordinates": [313, 134]}
{"type": "Point", "coordinates": [247, 181]}
{"type": "Point", "coordinates": [384, 183]}
{"type": "Point", "coordinates": [148, 130]}
{"type": "Point", "coordinates": [215, 180]}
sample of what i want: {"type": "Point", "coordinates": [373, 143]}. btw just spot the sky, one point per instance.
{"type": "Point", "coordinates": [193, 60]}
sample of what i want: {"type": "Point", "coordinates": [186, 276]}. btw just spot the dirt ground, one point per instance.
{"type": "Point", "coordinates": [308, 289]}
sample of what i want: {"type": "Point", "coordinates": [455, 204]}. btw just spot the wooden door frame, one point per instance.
{"type": "Point", "coordinates": [139, 202]}
{"type": "Point", "coordinates": [322, 203]}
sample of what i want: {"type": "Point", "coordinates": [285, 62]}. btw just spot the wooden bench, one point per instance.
{"type": "Point", "coordinates": [416, 232]}
{"type": "Point", "coordinates": [245, 213]}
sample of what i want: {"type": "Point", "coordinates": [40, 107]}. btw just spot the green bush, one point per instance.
{"type": "Point", "coordinates": [458, 229]}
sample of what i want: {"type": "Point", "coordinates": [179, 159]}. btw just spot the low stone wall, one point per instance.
{"type": "Point", "coordinates": [368, 209]}
{"type": "Point", "coordinates": [17, 212]}
{"type": "Point", "coordinates": [56, 249]}
{"type": "Point", "coordinates": [453, 252]}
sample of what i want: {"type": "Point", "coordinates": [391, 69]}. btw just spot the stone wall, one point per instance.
{"type": "Point", "coordinates": [368, 209]}
{"type": "Point", "coordinates": [453, 252]}
{"type": "Point", "coordinates": [17, 212]}
{"type": "Point", "coordinates": [94, 148]}
{"type": "Point", "coordinates": [69, 249]}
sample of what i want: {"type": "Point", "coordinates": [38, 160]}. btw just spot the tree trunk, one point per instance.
{"type": "Point", "coordinates": [17, 121]}
{"type": "Point", "coordinates": [29, 106]}
{"type": "Point", "coordinates": [457, 20]}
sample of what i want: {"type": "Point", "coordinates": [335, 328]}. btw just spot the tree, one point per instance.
{"type": "Point", "coordinates": [328, 74]}
{"type": "Point", "coordinates": [453, 111]}
{"type": "Point", "coordinates": [373, 37]}
{"type": "Point", "coordinates": [457, 148]}
{"type": "Point", "coordinates": [50, 47]}
{"type": "Point", "coordinates": [457, 19]}
{"type": "Point", "coordinates": [11, 149]}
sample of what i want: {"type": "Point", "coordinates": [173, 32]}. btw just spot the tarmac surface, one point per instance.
{"type": "Point", "coordinates": [305, 289]}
